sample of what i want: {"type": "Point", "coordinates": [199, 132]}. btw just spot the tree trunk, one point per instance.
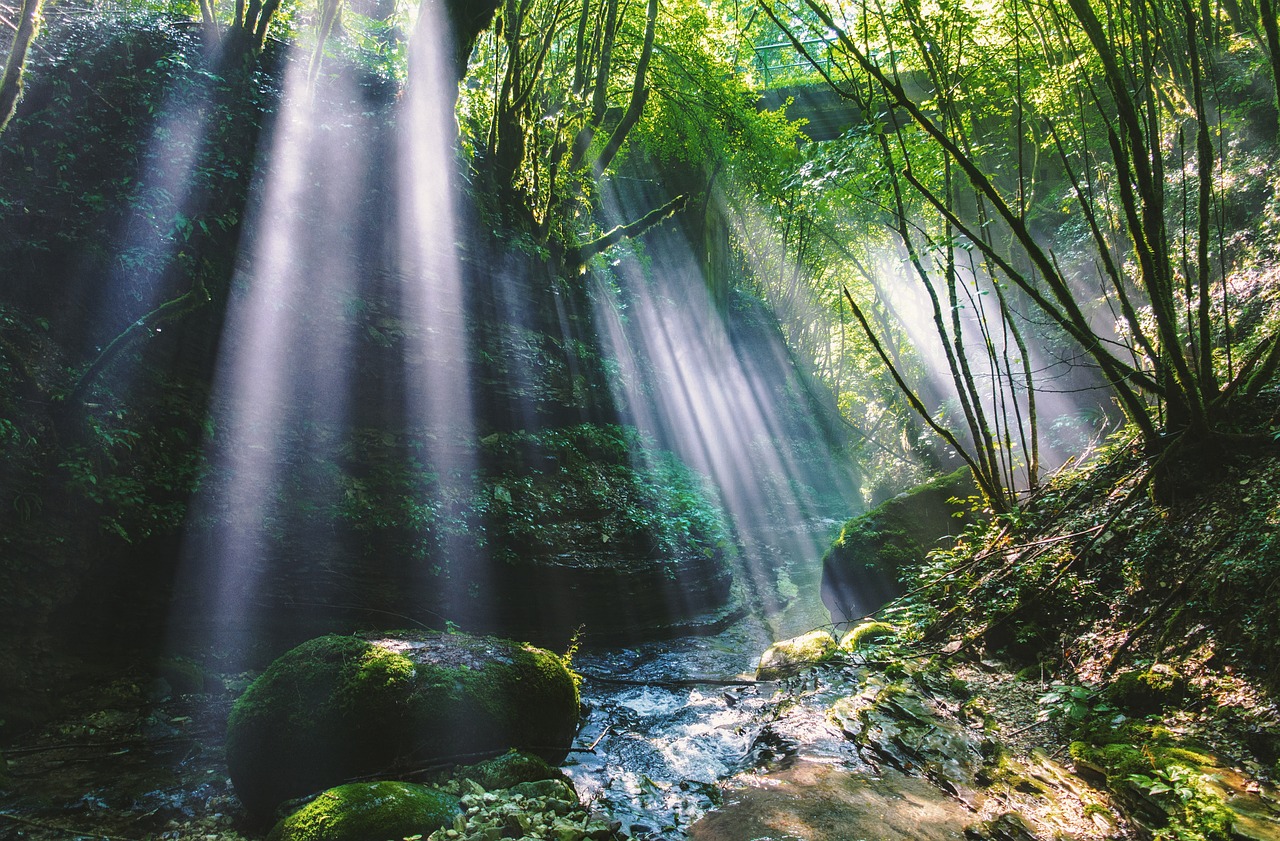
{"type": "Point", "coordinates": [11, 82]}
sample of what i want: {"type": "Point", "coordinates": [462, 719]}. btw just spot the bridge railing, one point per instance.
{"type": "Point", "coordinates": [773, 60]}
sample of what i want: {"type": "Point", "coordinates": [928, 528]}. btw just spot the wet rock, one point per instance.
{"type": "Point", "coordinates": [901, 727]}
{"type": "Point", "coordinates": [542, 810]}
{"type": "Point", "coordinates": [511, 769]}
{"type": "Point", "coordinates": [1008, 827]}
{"type": "Point", "coordinates": [867, 633]}
{"type": "Point", "coordinates": [819, 801]}
{"type": "Point", "coordinates": [861, 570]}
{"type": "Point", "coordinates": [550, 790]}
{"type": "Point", "coordinates": [183, 674]}
{"type": "Point", "coordinates": [366, 811]}
{"type": "Point", "coordinates": [594, 528]}
{"type": "Point", "coordinates": [789, 657]}
{"type": "Point", "coordinates": [340, 707]}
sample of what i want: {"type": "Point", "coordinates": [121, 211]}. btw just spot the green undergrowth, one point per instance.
{"type": "Point", "coordinates": [1149, 617]}
{"type": "Point", "coordinates": [1157, 775]}
{"type": "Point", "coordinates": [1094, 564]}
{"type": "Point", "coordinates": [589, 488]}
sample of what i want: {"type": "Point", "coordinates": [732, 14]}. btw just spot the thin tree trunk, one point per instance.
{"type": "Point", "coordinates": [11, 82]}
{"type": "Point", "coordinates": [1270, 26]}
{"type": "Point", "coordinates": [639, 92]}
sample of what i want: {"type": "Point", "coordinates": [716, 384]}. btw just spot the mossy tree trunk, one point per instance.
{"type": "Point", "coordinates": [11, 82]}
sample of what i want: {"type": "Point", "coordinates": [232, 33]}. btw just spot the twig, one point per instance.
{"type": "Point", "coordinates": [600, 738]}
{"type": "Point", "coordinates": [1136, 630]}
{"type": "Point", "coordinates": [1033, 725]}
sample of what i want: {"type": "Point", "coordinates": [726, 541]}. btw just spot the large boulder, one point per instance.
{"type": "Point", "coordinates": [591, 527]}
{"type": "Point", "coordinates": [792, 656]}
{"type": "Point", "coordinates": [341, 707]}
{"type": "Point", "coordinates": [367, 811]}
{"type": "Point", "coordinates": [862, 569]}
{"type": "Point", "coordinates": [588, 530]}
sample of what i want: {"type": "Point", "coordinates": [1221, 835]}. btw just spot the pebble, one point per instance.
{"type": "Point", "coordinates": [543, 811]}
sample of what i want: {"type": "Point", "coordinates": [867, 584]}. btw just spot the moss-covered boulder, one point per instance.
{"type": "Point", "coordinates": [1147, 691]}
{"type": "Point", "coordinates": [511, 769]}
{"type": "Point", "coordinates": [867, 633]}
{"type": "Point", "coordinates": [861, 570]}
{"type": "Point", "coordinates": [378, 811]}
{"type": "Point", "coordinates": [792, 656]}
{"type": "Point", "coordinates": [340, 707]}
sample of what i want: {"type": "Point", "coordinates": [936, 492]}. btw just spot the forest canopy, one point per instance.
{"type": "Point", "coordinates": [1036, 222]}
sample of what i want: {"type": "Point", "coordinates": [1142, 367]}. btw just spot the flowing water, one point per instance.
{"type": "Point", "coordinates": [681, 742]}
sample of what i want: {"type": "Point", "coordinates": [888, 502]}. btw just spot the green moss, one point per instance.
{"type": "Point", "coordinates": [1185, 756]}
{"type": "Point", "coordinates": [380, 677]}
{"type": "Point", "coordinates": [369, 812]}
{"type": "Point", "coordinates": [510, 769]}
{"type": "Point", "coordinates": [1147, 691]}
{"type": "Point", "coordinates": [868, 633]}
{"type": "Point", "coordinates": [896, 535]}
{"type": "Point", "coordinates": [1116, 761]}
{"type": "Point", "coordinates": [1091, 809]}
{"type": "Point", "coordinates": [999, 768]}
{"type": "Point", "coordinates": [535, 675]}
{"type": "Point", "coordinates": [788, 657]}
{"type": "Point", "coordinates": [341, 707]}
{"type": "Point", "coordinates": [313, 689]}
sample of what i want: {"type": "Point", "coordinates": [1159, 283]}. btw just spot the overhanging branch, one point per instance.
{"type": "Point", "coordinates": [631, 229]}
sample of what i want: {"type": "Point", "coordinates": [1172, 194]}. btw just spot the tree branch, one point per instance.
{"type": "Point", "coordinates": [633, 229]}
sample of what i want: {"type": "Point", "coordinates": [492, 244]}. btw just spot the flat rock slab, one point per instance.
{"type": "Point", "coordinates": [814, 801]}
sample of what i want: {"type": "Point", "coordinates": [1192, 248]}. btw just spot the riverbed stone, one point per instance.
{"type": "Point", "coordinates": [907, 729]}
{"type": "Point", "coordinates": [366, 811]}
{"type": "Point", "coordinates": [867, 633]}
{"type": "Point", "coordinates": [511, 769]}
{"type": "Point", "coordinates": [340, 707]}
{"type": "Point", "coordinates": [1007, 827]}
{"type": "Point", "coordinates": [791, 656]}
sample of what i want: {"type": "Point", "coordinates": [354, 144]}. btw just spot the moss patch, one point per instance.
{"type": "Point", "coordinates": [875, 551]}
{"type": "Point", "coordinates": [868, 633]}
{"type": "Point", "coordinates": [369, 812]}
{"type": "Point", "coordinates": [899, 532]}
{"type": "Point", "coordinates": [788, 657]}
{"type": "Point", "coordinates": [1147, 691]}
{"type": "Point", "coordinates": [510, 769]}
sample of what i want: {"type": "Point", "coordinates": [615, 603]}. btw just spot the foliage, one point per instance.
{"type": "Point", "coordinates": [597, 485]}
{"type": "Point", "coordinates": [1013, 180]}
{"type": "Point", "coordinates": [1197, 811]}
{"type": "Point", "coordinates": [1073, 705]}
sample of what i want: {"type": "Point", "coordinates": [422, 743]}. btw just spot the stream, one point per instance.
{"type": "Point", "coordinates": [672, 757]}
{"type": "Point", "coordinates": [678, 741]}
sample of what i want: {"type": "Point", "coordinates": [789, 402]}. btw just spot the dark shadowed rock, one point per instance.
{"type": "Point", "coordinates": [862, 568]}
{"type": "Point", "coordinates": [341, 707]}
